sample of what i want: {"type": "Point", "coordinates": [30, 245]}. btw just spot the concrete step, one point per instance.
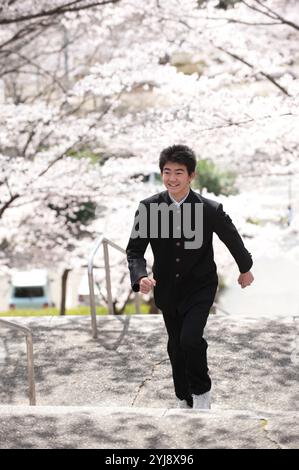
{"type": "Point", "coordinates": [90, 427]}
{"type": "Point", "coordinates": [253, 362]}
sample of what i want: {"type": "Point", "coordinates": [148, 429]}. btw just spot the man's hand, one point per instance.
{"type": "Point", "coordinates": [245, 279]}
{"type": "Point", "coordinates": [146, 284]}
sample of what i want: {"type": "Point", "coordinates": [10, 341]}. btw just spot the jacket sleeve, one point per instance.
{"type": "Point", "coordinates": [135, 254]}
{"type": "Point", "coordinates": [230, 236]}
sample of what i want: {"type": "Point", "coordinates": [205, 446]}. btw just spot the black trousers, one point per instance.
{"type": "Point", "coordinates": [187, 350]}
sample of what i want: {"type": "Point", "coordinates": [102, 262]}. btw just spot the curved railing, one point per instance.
{"type": "Point", "coordinates": [106, 243]}
{"type": "Point", "coordinates": [30, 363]}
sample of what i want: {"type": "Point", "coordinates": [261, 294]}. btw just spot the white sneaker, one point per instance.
{"type": "Point", "coordinates": [182, 404]}
{"type": "Point", "coordinates": [202, 402]}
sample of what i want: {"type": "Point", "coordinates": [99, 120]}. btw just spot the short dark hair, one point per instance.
{"type": "Point", "coordinates": [178, 154]}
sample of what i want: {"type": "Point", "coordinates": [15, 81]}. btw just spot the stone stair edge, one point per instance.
{"type": "Point", "coordinates": [156, 412]}
{"type": "Point", "coordinates": [46, 319]}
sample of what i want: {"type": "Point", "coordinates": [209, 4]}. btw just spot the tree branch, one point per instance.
{"type": "Point", "coordinates": [66, 8]}
{"type": "Point", "coordinates": [8, 203]}
{"type": "Point", "coordinates": [235, 56]}
{"type": "Point", "coordinates": [264, 74]}
{"type": "Point", "coordinates": [247, 23]}
{"type": "Point", "coordinates": [270, 13]}
{"type": "Point", "coordinates": [60, 157]}
{"type": "Point", "coordinates": [240, 123]}
{"type": "Point", "coordinates": [40, 70]}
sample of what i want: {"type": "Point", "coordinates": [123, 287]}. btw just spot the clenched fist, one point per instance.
{"type": "Point", "coordinates": [146, 284]}
{"type": "Point", "coordinates": [245, 279]}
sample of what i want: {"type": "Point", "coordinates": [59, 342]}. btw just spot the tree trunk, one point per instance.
{"type": "Point", "coordinates": [63, 291]}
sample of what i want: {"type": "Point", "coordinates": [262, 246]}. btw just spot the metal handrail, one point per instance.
{"type": "Point", "coordinates": [105, 242]}
{"type": "Point", "coordinates": [30, 363]}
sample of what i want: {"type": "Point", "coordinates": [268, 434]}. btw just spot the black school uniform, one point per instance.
{"type": "Point", "coordinates": [186, 282]}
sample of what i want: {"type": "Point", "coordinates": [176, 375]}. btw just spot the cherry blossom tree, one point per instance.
{"type": "Point", "coordinates": [125, 80]}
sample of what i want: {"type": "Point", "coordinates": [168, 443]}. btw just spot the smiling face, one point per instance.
{"type": "Point", "coordinates": [176, 179]}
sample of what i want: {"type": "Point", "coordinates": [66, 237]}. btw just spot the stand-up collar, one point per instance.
{"type": "Point", "coordinates": [191, 197]}
{"type": "Point", "coordinates": [179, 203]}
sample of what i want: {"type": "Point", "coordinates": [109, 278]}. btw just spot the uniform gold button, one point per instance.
{"type": "Point", "coordinates": [177, 275]}
{"type": "Point", "coordinates": [177, 260]}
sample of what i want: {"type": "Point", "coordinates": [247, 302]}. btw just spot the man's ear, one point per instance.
{"type": "Point", "coordinates": [192, 176]}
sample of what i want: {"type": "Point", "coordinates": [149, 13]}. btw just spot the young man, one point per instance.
{"type": "Point", "coordinates": [179, 225]}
